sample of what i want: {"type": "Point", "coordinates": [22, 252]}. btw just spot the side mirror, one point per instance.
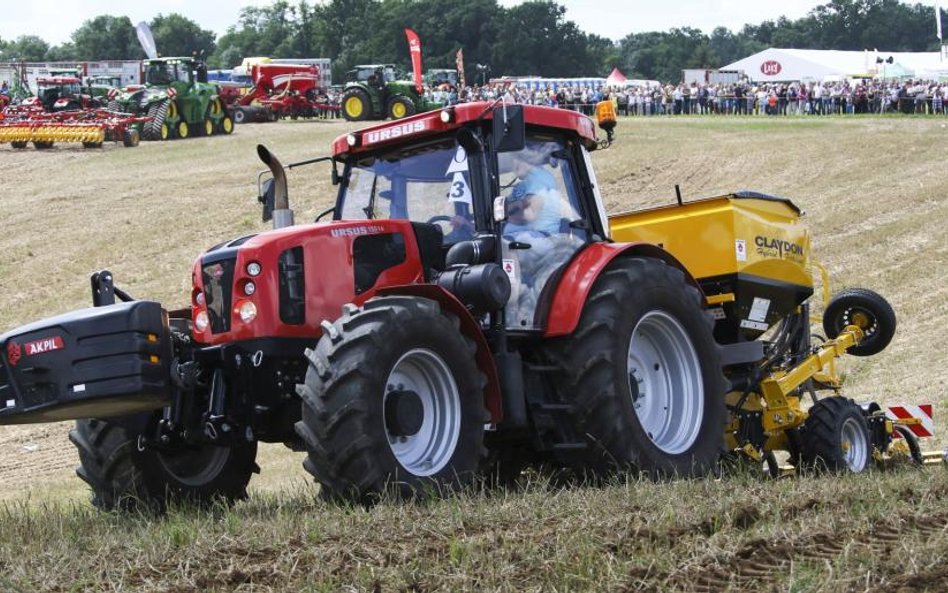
{"type": "Point", "coordinates": [267, 196]}
{"type": "Point", "coordinates": [509, 131]}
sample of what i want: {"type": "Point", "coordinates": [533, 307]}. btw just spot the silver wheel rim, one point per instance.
{"type": "Point", "coordinates": [429, 450]}
{"type": "Point", "coordinates": [854, 445]}
{"type": "Point", "coordinates": [666, 386]}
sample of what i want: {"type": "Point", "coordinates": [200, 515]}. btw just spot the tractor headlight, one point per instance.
{"type": "Point", "coordinates": [250, 288]}
{"type": "Point", "coordinates": [247, 311]}
{"type": "Point", "coordinates": [201, 321]}
{"type": "Point", "coordinates": [447, 115]}
{"type": "Point", "coordinates": [254, 269]}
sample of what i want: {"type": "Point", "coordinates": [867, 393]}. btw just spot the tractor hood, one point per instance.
{"type": "Point", "coordinates": [284, 282]}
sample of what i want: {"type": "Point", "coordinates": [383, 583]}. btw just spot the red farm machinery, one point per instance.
{"type": "Point", "coordinates": [22, 125]}
{"type": "Point", "coordinates": [281, 90]}
{"type": "Point", "coordinates": [465, 310]}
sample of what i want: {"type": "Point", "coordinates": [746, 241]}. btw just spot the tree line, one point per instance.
{"type": "Point", "coordinates": [532, 38]}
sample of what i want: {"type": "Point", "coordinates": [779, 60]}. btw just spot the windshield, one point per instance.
{"type": "Point", "coordinates": [161, 73]}
{"type": "Point", "coordinates": [422, 184]}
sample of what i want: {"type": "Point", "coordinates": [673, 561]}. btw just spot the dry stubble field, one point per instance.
{"type": "Point", "coordinates": [875, 192]}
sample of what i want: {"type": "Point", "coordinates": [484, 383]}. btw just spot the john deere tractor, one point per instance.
{"type": "Point", "coordinates": [372, 92]}
{"type": "Point", "coordinates": [177, 98]}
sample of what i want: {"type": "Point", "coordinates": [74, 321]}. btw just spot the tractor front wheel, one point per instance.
{"type": "Point", "coordinates": [399, 107]}
{"type": "Point", "coordinates": [835, 437]}
{"type": "Point", "coordinates": [356, 105]}
{"type": "Point", "coordinates": [643, 374]}
{"type": "Point", "coordinates": [184, 130]}
{"type": "Point", "coordinates": [125, 477]}
{"type": "Point", "coordinates": [393, 402]}
{"type": "Point", "coordinates": [226, 125]}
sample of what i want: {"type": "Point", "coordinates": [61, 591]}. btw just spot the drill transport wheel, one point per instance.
{"type": "Point", "coordinates": [866, 309]}
{"type": "Point", "coordinates": [835, 437]}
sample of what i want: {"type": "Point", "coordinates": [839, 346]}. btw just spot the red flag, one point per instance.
{"type": "Point", "coordinates": [459, 61]}
{"type": "Point", "coordinates": [414, 46]}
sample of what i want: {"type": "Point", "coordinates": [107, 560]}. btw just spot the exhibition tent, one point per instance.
{"type": "Point", "coordinates": [785, 65]}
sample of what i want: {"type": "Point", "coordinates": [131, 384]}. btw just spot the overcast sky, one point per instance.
{"type": "Point", "coordinates": [55, 20]}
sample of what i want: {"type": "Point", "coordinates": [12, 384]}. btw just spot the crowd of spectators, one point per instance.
{"type": "Point", "coordinates": [795, 98]}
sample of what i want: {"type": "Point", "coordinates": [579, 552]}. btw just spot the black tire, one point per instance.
{"type": "Point", "coordinates": [92, 145]}
{"type": "Point", "coordinates": [226, 125]}
{"type": "Point", "coordinates": [240, 116]}
{"type": "Point", "coordinates": [356, 105]}
{"type": "Point", "coordinates": [157, 128]}
{"type": "Point", "coordinates": [835, 437]}
{"type": "Point", "coordinates": [131, 138]}
{"type": "Point", "coordinates": [124, 478]}
{"type": "Point", "coordinates": [19, 144]}
{"type": "Point", "coordinates": [603, 364]}
{"type": "Point", "coordinates": [354, 375]}
{"type": "Point", "coordinates": [866, 309]}
{"type": "Point", "coordinates": [399, 107]}
{"type": "Point", "coordinates": [41, 145]}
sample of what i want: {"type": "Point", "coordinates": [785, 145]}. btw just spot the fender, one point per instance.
{"type": "Point", "coordinates": [581, 273]}
{"type": "Point", "coordinates": [471, 329]}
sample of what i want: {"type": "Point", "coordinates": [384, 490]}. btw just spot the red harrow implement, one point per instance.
{"type": "Point", "coordinates": [92, 127]}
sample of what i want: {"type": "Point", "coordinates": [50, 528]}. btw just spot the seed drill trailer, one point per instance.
{"type": "Point", "coordinates": [420, 338]}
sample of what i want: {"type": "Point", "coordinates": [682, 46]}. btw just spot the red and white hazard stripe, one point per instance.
{"type": "Point", "coordinates": [923, 413]}
{"type": "Point", "coordinates": [172, 93]}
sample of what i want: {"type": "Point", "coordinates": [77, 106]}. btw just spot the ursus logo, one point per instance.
{"type": "Point", "coordinates": [13, 353]}
{"type": "Point", "coordinates": [771, 68]}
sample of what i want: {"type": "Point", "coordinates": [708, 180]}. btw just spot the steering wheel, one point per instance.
{"type": "Point", "coordinates": [438, 218]}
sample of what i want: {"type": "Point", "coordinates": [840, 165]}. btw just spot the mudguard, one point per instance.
{"type": "Point", "coordinates": [581, 273]}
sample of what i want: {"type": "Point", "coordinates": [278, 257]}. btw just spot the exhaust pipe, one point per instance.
{"type": "Point", "coordinates": [282, 215]}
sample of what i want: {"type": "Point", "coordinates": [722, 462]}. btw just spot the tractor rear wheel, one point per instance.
{"type": "Point", "coordinates": [123, 477]}
{"type": "Point", "coordinates": [207, 126]}
{"type": "Point", "coordinates": [184, 130]}
{"type": "Point", "coordinates": [400, 106]}
{"type": "Point", "coordinates": [863, 308]}
{"type": "Point", "coordinates": [835, 437]}
{"type": "Point", "coordinates": [356, 105]}
{"type": "Point", "coordinates": [393, 402]}
{"type": "Point", "coordinates": [644, 374]}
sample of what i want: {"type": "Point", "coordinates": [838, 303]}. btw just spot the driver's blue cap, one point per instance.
{"type": "Point", "coordinates": [518, 192]}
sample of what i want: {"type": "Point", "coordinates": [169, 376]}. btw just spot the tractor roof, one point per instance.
{"type": "Point", "coordinates": [430, 123]}
{"type": "Point", "coordinates": [171, 60]}
{"type": "Point", "coordinates": [58, 80]}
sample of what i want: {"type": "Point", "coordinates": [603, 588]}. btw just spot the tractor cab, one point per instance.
{"type": "Point", "coordinates": [169, 72]}
{"type": "Point", "coordinates": [371, 73]}
{"type": "Point", "coordinates": [58, 92]}
{"type": "Point", "coordinates": [525, 206]}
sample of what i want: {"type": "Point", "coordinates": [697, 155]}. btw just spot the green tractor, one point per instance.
{"type": "Point", "coordinates": [177, 98]}
{"type": "Point", "coordinates": [373, 92]}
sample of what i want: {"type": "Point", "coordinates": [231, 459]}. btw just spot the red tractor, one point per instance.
{"type": "Point", "coordinates": [60, 93]}
{"type": "Point", "coordinates": [462, 313]}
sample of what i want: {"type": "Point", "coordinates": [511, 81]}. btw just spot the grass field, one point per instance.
{"type": "Point", "coordinates": [875, 194]}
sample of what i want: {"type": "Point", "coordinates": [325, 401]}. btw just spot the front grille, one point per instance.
{"type": "Point", "coordinates": [292, 287]}
{"type": "Point", "coordinates": [218, 278]}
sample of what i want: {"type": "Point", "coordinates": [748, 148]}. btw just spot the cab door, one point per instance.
{"type": "Point", "coordinates": [542, 230]}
